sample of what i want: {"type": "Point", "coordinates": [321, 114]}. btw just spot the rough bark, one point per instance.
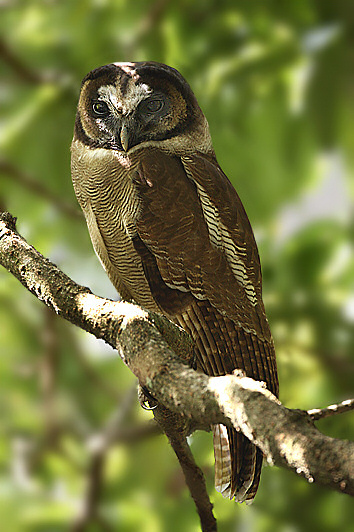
{"type": "Point", "coordinates": [158, 352]}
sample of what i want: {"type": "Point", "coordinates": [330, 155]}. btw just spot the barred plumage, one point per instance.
{"type": "Point", "coordinates": [171, 231]}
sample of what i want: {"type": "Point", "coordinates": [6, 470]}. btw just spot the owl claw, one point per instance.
{"type": "Point", "coordinates": [146, 400]}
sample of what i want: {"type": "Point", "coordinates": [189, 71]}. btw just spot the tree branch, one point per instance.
{"type": "Point", "coordinates": [23, 72]}
{"type": "Point", "coordinates": [98, 446]}
{"type": "Point", "coordinates": [148, 344]}
{"type": "Point", "coordinates": [332, 410]}
{"type": "Point", "coordinates": [29, 75]}
{"type": "Point", "coordinates": [176, 427]}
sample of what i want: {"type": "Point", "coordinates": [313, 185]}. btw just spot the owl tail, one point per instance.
{"type": "Point", "coordinates": [237, 472]}
{"type": "Point", "coordinates": [222, 460]}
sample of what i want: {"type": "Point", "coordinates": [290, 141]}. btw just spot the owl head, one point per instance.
{"type": "Point", "coordinates": [126, 106]}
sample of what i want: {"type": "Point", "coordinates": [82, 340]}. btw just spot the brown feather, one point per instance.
{"type": "Point", "coordinates": [229, 330]}
{"type": "Point", "coordinates": [172, 234]}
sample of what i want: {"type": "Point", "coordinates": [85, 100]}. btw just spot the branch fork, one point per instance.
{"type": "Point", "coordinates": [159, 353]}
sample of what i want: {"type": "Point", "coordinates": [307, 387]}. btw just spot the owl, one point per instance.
{"type": "Point", "coordinates": [171, 231]}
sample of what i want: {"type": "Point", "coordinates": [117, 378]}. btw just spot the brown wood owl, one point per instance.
{"type": "Point", "coordinates": [172, 233]}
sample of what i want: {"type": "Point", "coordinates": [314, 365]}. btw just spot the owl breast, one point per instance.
{"type": "Point", "coordinates": [109, 200]}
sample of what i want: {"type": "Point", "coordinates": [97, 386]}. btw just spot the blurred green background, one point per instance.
{"type": "Point", "coordinates": [276, 82]}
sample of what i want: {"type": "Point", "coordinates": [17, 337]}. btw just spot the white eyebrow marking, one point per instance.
{"type": "Point", "coordinates": [110, 94]}
{"type": "Point", "coordinates": [127, 103]}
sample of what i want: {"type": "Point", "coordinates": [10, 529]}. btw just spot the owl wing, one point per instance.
{"type": "Point", "coordinates": [195, 240]}
{"type": "Point", "coordinates": [195, 226]}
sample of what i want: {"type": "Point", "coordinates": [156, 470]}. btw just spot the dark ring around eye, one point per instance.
{"type": "Point", "coordinates": [154, 105]}
{"type": "Point", "coordinates": [100, 108]}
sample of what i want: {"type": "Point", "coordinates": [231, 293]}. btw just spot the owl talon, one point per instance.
{"type": "Point", "coordinates": [146, 400]}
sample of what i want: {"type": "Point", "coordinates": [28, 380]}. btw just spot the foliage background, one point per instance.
{"type": "Point", "coordinates": [276, 81]}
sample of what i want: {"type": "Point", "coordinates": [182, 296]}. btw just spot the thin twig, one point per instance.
{"type": "Point", "coordinates": [98, 446]}
{"type": "Point", "coordinates": [16, 64]}
{"type": "Point", "coordinates": [148, 23]}
{"type": "Point", "coordinates": [89, 511]}
{"type": "Point", "coordinates": [176, 428]}
{"type": "Point", "coordinates": [138, 432]}
{"type": "Point", "coordinates": [33, 77]}
{"type": "Point", "coordinates": [341, 408]}
{"type": "Point", "coordinates": [110, 432]}
{"type": "Point", "coordinates": [151, 19]}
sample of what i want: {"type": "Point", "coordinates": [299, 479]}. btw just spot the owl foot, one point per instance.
{"type": "Point", "coordinates": [146, 400]}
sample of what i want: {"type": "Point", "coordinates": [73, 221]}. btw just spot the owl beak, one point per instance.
{"type": "Point", "coordinates": [124, 137]}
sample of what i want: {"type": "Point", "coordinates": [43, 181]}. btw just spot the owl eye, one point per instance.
{"type": "Point", "coordinates": [100, 108]}
{"type": "Point", "coordinates": [154, 105]}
